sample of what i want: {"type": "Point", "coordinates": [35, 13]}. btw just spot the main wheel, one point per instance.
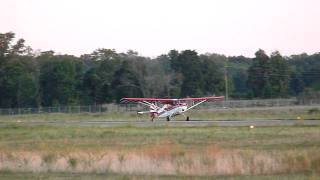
{"type": "Point", "coordinates": [168, 119]}
{"type": "Point", "coordinates": [187, 118]}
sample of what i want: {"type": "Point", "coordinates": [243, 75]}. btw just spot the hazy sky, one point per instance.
{"type": "Point", "coordinates": [153, 27]}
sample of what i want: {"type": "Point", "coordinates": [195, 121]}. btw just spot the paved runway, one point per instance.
{"type": "Point", "coordinates": [193, 123]}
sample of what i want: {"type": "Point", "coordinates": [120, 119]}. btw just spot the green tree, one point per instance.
{"type": "Point", "coordinates": [138, 65]}
{"type": "Point", "coordinates": [98, 78]}
{"type": "Point", "coordinates": [296, 84]}
{"type": "Point", "coordinates": [19, 84]}
{"type": "Point", "coordinates": [58, 79]}
{"type": "Point", "coordinates": [125, 83]}
{"type": "Point", "coordinates": [280, 75]}
{"type": "Point", "coordinates": [259, 76]}
{"type": "Point", "coordinates": [18, 77]}
{"type": "Point", "coordinates": [237, 70]}
{"type": "Point", "coordinates": [305, 73]}
{"type": "Point", "coordinates": [188, 64]}
{"type": "Point", "coordinates": [158, 77]}
{"type": "Point", "coordinates": [240, 78]}
{"type": "Point", "coordinates": [212, 76]}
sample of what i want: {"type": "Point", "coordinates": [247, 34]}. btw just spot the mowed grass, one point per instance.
{"type": "Point", "coordinates": [293, 112]}
{"type": "Point", "coordinates": [20, 137]}
{"type": "Point", "coordinates": [45, 117]}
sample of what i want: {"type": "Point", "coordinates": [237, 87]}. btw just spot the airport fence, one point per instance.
{"type": "Point", "coordinates": [136, 107]}
{"type": "Point", "coordinates": [59, 109]}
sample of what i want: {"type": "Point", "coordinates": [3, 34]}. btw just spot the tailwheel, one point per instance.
{"type": "Point", "coordinates": [168, 119]}
{"type": "Point", "coordinates": [187, 118]}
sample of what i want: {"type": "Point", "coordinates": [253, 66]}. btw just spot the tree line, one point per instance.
{"type": "Point", "coordinates": [33, 79]}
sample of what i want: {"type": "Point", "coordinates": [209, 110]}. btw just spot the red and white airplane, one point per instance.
{"type": "Point", "coordinates": [170, 107]}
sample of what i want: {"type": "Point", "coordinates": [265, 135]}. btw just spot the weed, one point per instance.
{"type": "Point", "coordinates": [315, 164]}
{"type": "Point", "coordinates": [49, 158]}
{"type": "Point", "coordinates": [5, 171]}
{"type": "Point", "coordinates": [121, 158]}
{"type": "Point", "coordinates": [73, 162]}
{"type": "Point", "coordinates": [313, 111]}
{"type": "Point", "coordinates": [180, 153]}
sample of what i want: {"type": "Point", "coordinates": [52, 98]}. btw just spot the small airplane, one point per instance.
{"type": "Point", "coordinates": [170, 107]}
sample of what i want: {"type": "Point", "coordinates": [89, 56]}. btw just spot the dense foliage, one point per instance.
{"type": "Point", "coordinates": [29, 79]}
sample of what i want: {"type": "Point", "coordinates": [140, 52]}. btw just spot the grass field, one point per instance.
{"type": "Point", "coordinates": [74, 152]}
{"type": "Point", "coordinates": [164, 152]}
{"type": "Point", "coordinates": [293, 112]}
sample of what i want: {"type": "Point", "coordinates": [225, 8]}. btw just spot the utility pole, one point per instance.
{"type": "Point", "coordinates": [226, 80]}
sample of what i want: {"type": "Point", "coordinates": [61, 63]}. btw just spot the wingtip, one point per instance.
{"type": "Point", "coordinates": [122, 100]}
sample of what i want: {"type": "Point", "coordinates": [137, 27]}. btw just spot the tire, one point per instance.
{"type": "Point", "coordinates": [188, 119]}
{"type": "Point", "coordinates": [168, 119]}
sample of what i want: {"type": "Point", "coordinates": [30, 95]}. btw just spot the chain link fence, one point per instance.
{"type": "Point", "coordinates": [136, 107]}
{"type": "Point", "coordinates": [59, 109]}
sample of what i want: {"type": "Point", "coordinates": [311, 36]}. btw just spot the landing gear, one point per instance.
{"type": "Point", "coordinates": [186, 117]}
{"type": "Point", "coordinates": [153, 115]}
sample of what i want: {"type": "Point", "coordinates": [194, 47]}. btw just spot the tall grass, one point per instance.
{"type": "Point", "coordinates": [172, 162]}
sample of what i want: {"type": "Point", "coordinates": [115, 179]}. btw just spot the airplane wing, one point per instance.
{"type": "Point", "coordinates": [168, 101]}
{"type": "Point", "coordinates": [152, 102]}
{"type": "Point", "coordinates": [149, 100]}
{"type": "Point", "coordinates": [198, 101]}
{"type": "Point", "coordinates": [211, 98]}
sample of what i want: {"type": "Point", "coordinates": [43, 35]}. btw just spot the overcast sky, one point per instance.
{"type": "Point", "coordinates": [153, 27]}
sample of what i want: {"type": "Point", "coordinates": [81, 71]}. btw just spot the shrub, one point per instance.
{"type": "Point", "coordinates": [73, 162]}
{"type": "Point", "coordinates": [313, 111]}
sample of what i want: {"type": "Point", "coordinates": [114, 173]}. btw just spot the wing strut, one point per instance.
{"type": "Point", "coordinates": [150, 105]}
{"type": "Point", "coordinates": [196, 105]}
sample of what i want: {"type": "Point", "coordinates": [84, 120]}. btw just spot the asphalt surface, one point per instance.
{"type": "Point", "coordinates": [193, 123]}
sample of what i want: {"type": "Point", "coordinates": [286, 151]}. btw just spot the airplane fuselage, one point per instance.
{"type": "Point", "coordinates": [171, 110]}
